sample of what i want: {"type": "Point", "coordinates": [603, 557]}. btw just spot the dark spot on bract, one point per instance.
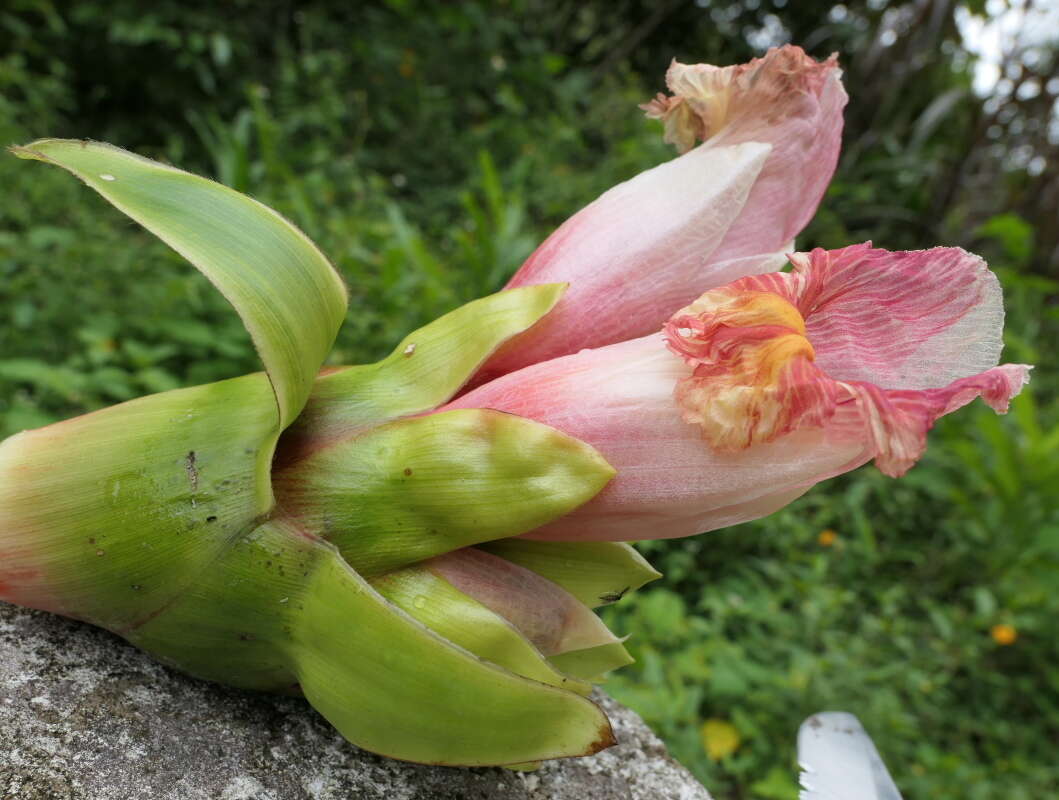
{"type": "Point", "coordinates": [407, 470]}
{"type": "Point", "coordinates": [191, 470]}
{"type": "Point", "coordinates": [211, 518]}
{"type": "Point", "coordinates": [606, 739]}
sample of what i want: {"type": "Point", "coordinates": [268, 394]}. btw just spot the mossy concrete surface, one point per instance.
{"type": "Point", "coordinates": [85, 716]}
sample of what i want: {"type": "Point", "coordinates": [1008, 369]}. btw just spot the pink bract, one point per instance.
{"type": "Point", "coordinates": [727, 208]}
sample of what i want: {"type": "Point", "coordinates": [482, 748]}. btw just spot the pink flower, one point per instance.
{"type": "Point", "coordinates": [763, 387]}
{"type": "Point", "coordinates": [728, 208]}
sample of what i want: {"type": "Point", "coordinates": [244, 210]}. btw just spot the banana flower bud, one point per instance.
{"type": "Point", "coordinates": [236, 533]}
{"type": "Point", "coordinates": [727, 208]}
{"type": "Point", "coordinates": [763, 387]}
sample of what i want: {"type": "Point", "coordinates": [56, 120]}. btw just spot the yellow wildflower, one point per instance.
{"type": "Point", "coordinates": [719, 738]}
{"type": "Point", "coordinates": [1004, 634]}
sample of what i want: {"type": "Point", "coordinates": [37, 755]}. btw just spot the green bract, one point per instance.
{"type": "Point", "coordinates": [423, 486]}
{"type": "Point", "coordinates": [596, 573]}
{"type": "Point", "coordinates": [288, 295]}
{"type": "Point", "coordinates": [291, 531]}
{"type": "Point", "coordinates": [427, 368]}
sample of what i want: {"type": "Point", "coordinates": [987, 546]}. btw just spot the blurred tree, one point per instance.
{"type": "Point", "coordinates": [416, 88]}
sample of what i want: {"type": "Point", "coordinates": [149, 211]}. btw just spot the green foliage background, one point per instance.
{"type": "Point", "coordinates": [428, 147]}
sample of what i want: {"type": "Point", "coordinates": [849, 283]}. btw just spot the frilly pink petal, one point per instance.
{"type": "Point", "coordinates": [795, 104]}
{"type": "Point", "coordinates": [784, 83]}
{"type": "Point", "coordinates": [875, 334]}
{"type": "Point", "coordinates": [895, 422]}
{"type": "Point", "coordinates": [903, 320]}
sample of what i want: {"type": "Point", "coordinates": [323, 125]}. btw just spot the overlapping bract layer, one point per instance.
{"type": "Point", "coordinates": [155, 488]}
{"type": "Point", "coordinates": [158, 518]}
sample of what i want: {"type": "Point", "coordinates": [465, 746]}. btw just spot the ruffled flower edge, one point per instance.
{"type": "Point", "coordinates": [705, 98]}
{"type": "Point", "coordinates": [751, 351]}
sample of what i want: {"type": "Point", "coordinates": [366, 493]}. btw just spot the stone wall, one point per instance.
{"type": "Point", "coordinates": [85, 716]}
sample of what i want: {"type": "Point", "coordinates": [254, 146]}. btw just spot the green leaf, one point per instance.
{"type": "Point", "coordinates": [282, 610]}
{"type": "Point", "coordinates": [596, 573]}
{"type": "Point", "coordinates": [288, 295]}
{"type": "Point", "coordinates": [107, 516]}
{"type": "Point", "coordinates": [464, 621]}
{"type": "Point", "coordinates": [63, 381]}
{"type": "Point", "coordinates": [778, 784]}
{"type": "Point", "coordinates": [1014, 233]}
{"type": "Point", "coordinates": [427, 368]}
{"type": "Point", "coordinates": [423, 486]}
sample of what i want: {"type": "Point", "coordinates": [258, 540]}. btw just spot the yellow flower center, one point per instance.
{"type": "Point", "coordinates": [750, 353]}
